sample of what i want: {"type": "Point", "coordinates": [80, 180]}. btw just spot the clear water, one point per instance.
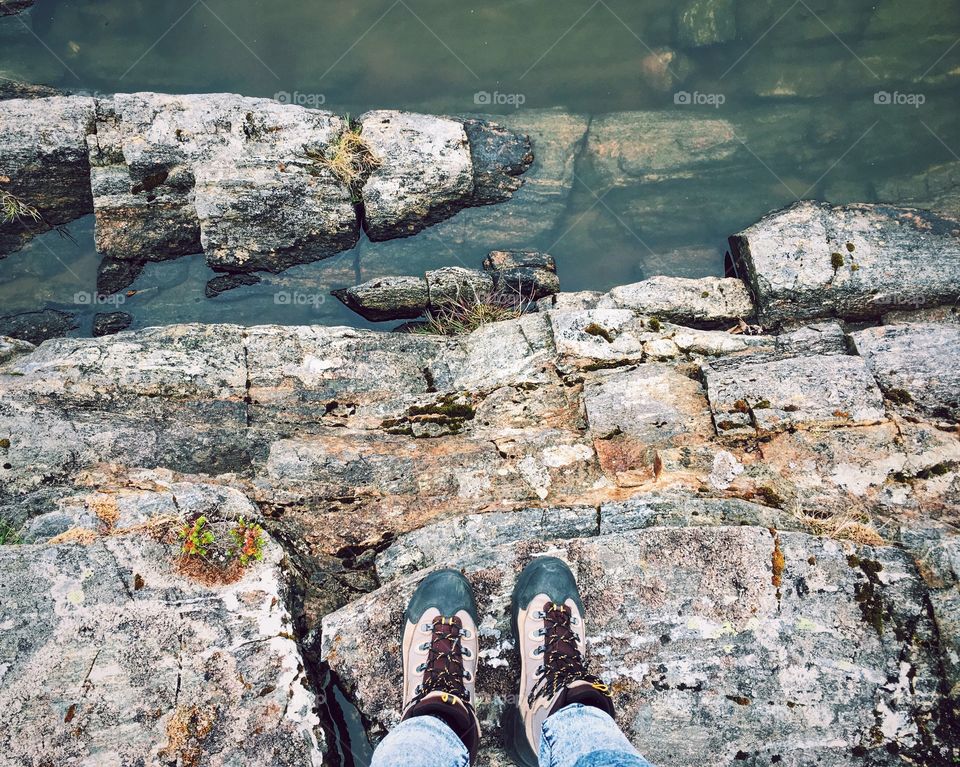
{"type": "Point", "coordinates": [798, 78]}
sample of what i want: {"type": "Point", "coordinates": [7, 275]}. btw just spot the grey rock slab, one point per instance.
{"type": "Point", "coordinates": [570, 301]}
{"type": "Point", "coordinates": [705, 302]}
{"type": "Point", "coordinates": [818, 392]}
{"type": "Point", "coordinates": [141, 665]}
{"type": "Point", "coordinates": [43, 162]}
{"type": "Point", "coordinates": [512, 352]}
{"type": "Point", "coordinates": [528, 273]}
{"type": "Point", "coordinates": [312, 375]}
{"type": "Point", "coordinates": [915, 363]}
{"type": "Point", "coordinates": [476, 534]}
{"type": "Point", "coordinates": [816, 339]}
{"type": "Point", "coordinates": [387, 298]}
{"type": "Point", "coordinates": [229, 175]}
{"type": "Point", "coordinates": [653, 403]}
{"type": "Point", "coordinates": [604, 335]}
{"type": "Point", "coordinates": [804, 648]}
{"type": "Point", "coordinates": [666, 510]}
{"type": "Point", "coordinates": [12, 347]}
{"type": "Point", "coordinates": [458, 285]}
{"type": "Point", "coordinates": [855, 261]}
{"type": "Point", "coordinates": [425, 172]}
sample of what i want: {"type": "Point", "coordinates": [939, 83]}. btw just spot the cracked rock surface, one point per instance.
{"type": "Point", "coordinates": [764, 524]}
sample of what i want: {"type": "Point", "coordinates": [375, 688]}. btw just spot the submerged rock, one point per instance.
{"type": "Point", "coordinates": [12, 7]}
{"type": "Point", "coordinates": [37, 327]}
{"type": "Point", "coordinates": [16, 89]}
{"type": "Point", "coordinates": [108, 323]}
{"type": "Point", "coordinates": [854, 261]}
{"type": "Point", "coordinates": [43, 163]}
{"type": "Point", "coordinates": [115, 274]}
{"type": "Point", "coordinates": [706, 22]}
{"type": "Point", "coordinates": [226, 282]}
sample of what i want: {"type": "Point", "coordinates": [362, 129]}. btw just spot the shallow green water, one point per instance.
{"type": "Point", "coordinates": [799, 80]}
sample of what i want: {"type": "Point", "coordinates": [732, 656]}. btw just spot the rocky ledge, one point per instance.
{"type": "Point", "coordinates": [254, 184]}
{"type": "Point", "coordinates": [757, 482]}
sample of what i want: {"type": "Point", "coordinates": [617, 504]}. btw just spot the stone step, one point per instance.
{"type": "Point", "coordinates": [720, 643]}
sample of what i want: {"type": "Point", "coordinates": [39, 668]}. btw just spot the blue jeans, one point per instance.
{"type": "Point", "coordinates": [575, 736]}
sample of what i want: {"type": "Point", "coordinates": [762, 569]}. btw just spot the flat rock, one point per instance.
{"type": "Point", "coordinates": [458, 285]}
{"type": "Point", "coordinates": [43, 162]}
{"type": "Point", "coordinates": [603, 335]}
{"type": "Point", "coordinates": [627, 148]}
{"type": "Point", "coordinates": [855, 261]}
{"type": "Point", "coordinates": [653, 403]}
{"type": "Point", "coordinates": [219, 173]}
{"type": "Point", "coordinates": [695, 626]}
{"type": "Point", "coordinates": [818, 392]}
{"type": "Point", "coordinates": [425, 173]}
{"type": "Point", "coordinates": [141, 665]}
{"type": "Point", "coordinates": [705, 302]}
{"type": "Point", "coordinates": [528, 273]}
{"type": "Point", "coordinates": [11, 347]}
{"type": "Point", "coordinates": [387, 298]}
{"type": "Point", "coordinates": [679, 510]}
{"type": "Point", "coordinates": [916, 363]}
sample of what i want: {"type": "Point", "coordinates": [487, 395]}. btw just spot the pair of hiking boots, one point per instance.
{"type": "Point", "coordinates": [440, 655]}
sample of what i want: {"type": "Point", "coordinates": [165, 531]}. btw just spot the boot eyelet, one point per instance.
{"type": "Point", "coordinates": [424, 647]}
{"type": "Point", "coordinates": [426, 628]}
{"type": "Point", "coordinates": [467, 675]}
{"type": "Point", "coordinates": [421, 668]}
{"type": "Point", "coordinates": [466, 652]}
{"type": "Point", "coordinates": [538, 650]}
{"type": "Point", "coordinates": [465, 633]}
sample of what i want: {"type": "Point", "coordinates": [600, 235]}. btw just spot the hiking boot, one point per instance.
{"type": "Point", "coordinates": [551, 638]}
{"type": "Point", "coordinates": [440, 655]}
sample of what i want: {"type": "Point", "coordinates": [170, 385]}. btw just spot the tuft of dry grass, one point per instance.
{"type": "Point", "coordinates": [12, 208]}
{"type": "Point", "coordinates": [472, 309]}
{"type": "Point", "coordinates": [851, 526]}
{"type": "Point", "coordinates": [80, 535]}
{"type": "Point", "coordinates": [348, 157]}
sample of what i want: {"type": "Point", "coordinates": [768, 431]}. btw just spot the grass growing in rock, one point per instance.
{"type": "Point", "coordinates": [219, 551]}
{"type": "Point", "coordinates": [348, 157]}
{"type": "Point", "coordinates": [471, 309]}
{"type": "Point", "coordinates": [12, 208]}
{"type": "Point", "coordinates": [9, 536]}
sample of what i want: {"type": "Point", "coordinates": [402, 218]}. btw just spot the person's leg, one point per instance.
{"type": "Point", "coordinates": [438, 726]}
{"type": "Point", "coordinates": [564, 716]}
{"type": "Point", "coordinates": [421, 741]}
{"type": "Point", "coordinates": [584, 736]}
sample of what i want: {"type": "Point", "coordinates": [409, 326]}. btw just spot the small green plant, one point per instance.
{"type": "Point", "coordinates": [219, 551]}
{"type": "Point", "coordinates": [247, 542]}
{"type": "Point", "coordinates": [9, 535]}
{"type": "Point", "coordinates": [196, 539]}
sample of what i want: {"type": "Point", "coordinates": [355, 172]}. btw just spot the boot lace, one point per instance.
{"type": "Point", "coordinates": [563, 662]}
{"type": "Point", "coordinates": [443, 669]}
